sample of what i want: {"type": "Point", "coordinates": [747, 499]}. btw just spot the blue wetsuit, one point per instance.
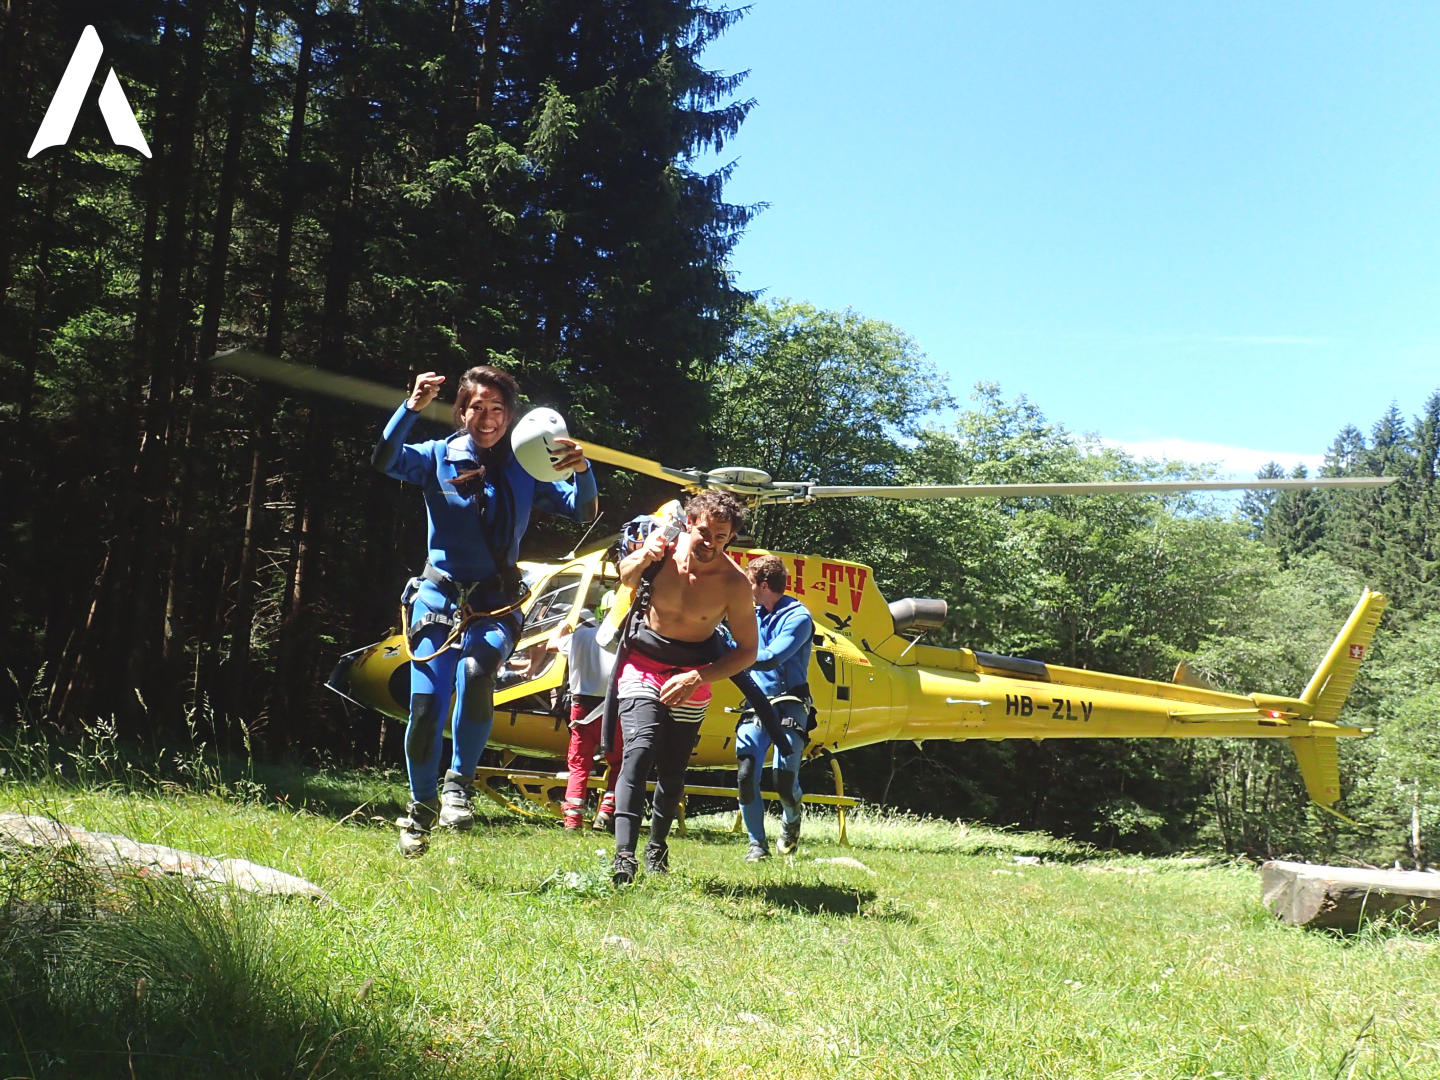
{"type": "Point", "coordinates": [781, 665]}
{"type": "Point", "coordinates": [470, 545]}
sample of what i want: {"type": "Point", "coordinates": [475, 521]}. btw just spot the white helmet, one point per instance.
{"type": "Point", "coordinates": [533, 441]}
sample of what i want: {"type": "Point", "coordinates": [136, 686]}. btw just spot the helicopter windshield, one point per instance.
{"type": "Point", "coordinates": [536, 663]}
{"type": "Point", "coordinates": [553, 605]}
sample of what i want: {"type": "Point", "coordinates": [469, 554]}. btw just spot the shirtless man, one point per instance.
{"type": "Point", "coordinates": [670, 662]}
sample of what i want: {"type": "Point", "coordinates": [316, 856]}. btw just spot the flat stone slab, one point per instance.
{"type": "Point", "coordinates": [120, 855]}
{"type": "Point", "coordinates": [1342, 897]}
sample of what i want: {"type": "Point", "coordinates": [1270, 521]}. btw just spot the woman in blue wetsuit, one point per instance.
{"type": "Point", "coordinates": [478, 500]}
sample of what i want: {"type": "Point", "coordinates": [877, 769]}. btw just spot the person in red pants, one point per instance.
{"type": "Point", "coordinates": [589, 671]}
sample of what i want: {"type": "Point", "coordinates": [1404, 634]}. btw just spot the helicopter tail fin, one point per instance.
{"type": "Point", "coordinates": [1318, 755]}
{"type": "Point", "coordinates": [1330, 685]}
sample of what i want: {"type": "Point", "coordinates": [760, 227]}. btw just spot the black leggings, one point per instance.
{"type": "Point", "coordinates": [652, 738]}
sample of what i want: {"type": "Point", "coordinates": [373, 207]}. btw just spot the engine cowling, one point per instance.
{"type": "Point", "coordinates": [915, 614]}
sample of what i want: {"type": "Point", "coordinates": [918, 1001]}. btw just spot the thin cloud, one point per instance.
{"type": "Point", "coordinates": [1184, 339]}
{"type": "Point", "coordinates": [1234, 461]}
{"type": "Point", "coordinates": [1277, 340]}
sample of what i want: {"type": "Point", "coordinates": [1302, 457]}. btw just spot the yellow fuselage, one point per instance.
{"type": "Point", "coordinates": [871, 685]}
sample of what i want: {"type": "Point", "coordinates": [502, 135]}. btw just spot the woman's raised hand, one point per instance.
{"type": "Point", "coordinates": [572, 456]}
{"type": "Point", "coordinates": [427, 385]}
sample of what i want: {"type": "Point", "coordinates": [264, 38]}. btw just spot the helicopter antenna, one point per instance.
{"type": "Point", "coordinates": [582, 539]}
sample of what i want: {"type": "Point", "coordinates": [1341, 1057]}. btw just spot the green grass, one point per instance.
{"type": "Point", "coordinates": [503, 953]}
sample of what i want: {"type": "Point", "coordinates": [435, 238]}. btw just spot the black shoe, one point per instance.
{"type": "Point", "coordinates": [758, 852]}
{"type": "Point", "coordinates": [789, 837]}
{"type": "Point", "coordinates": [657, 858]}
{"type": "Point", "coordinates": [623, 869]}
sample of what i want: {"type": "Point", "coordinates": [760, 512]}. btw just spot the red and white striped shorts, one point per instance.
{"type": "Point", "coordinates": [642, 677]}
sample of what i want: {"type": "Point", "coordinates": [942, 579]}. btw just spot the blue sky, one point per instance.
{"type": "Point", "coordinates": [1194, 228]}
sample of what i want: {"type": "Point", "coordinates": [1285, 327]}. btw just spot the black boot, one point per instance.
{"type": "Point", "coordinates": [657, 858]}
{"type": "Point", "coordinates": [624, 869]}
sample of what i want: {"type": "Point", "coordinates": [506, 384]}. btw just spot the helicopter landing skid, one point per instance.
{"type": "Point", "coordinates": [534, 787]}
{"type": "Point", "coordinates": [539, 790]}
{"type": "Point", "coordinates": [839, 800]}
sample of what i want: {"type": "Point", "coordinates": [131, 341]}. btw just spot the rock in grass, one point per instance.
{"type": "Point", "coordinates": [117, 854]}
{"type": "Point", "coordinates": [1341, 897]}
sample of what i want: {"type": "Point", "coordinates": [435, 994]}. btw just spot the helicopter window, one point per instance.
{"type": "Point", "coordinates": [600, 587]}
{"type": "Point", "coordinates": [525, 664]}
{"type": "Point", "coordinates": [600, 593]}
{"type": "Point", "coordinates": [826, 661]}
{"type": "Point", "coordinates": [553, 605]}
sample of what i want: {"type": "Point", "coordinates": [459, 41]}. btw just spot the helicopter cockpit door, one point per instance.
{"type": "Point", "coordinates": [831, 693]}
{"type": "Point", "coordinates": [533, 680]}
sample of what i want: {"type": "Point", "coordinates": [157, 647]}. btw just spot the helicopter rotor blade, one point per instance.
{"type": "Point", "coordinates": [644, 466]}
{"type": "Point", "coordinates": [254, 364]}
{"type": "Point", "coordinates": [1136, 487]}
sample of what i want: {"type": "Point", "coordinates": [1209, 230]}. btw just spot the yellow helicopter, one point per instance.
{"type": "Point", "coordinates": [872, 677]}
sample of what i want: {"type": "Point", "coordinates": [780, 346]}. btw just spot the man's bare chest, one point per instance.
{"type": "Point", "coordinates": [690, 596]}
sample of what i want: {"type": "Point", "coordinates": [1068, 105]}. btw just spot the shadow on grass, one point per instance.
{"type": "Point", "coordinates": [357, 794]}
{"type": "Point", "coordinates": [809, 898]}
{"type": "Point", "coordinates": [365, 793]}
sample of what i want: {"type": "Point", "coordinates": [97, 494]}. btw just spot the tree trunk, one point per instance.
{"type": "Point", "coordinates": [72, 663]}
{"type": "Point", "coordinates": [290, 193]}
{"type": "Point", "coordinates": [179, 576]}
{"type": "Point", "coordinates": [244, 620]}
{"type": "Point", "coordinates": [154, 470]}
{"type": "Point", "coordinates": [154, 186]}
{"type": "Point", "coordinates": [125, 600]}
{"type": "Point", "coordinates": [15, 82]}
{"type": "Point", "coordinates": [489, 58]}
{"type": "Point", "coordinates": [41, 296]}
{"type": "Point", "coordinates": [297, 649]}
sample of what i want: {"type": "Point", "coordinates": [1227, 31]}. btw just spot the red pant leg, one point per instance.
{"type": "Point", "coordinates": [584, 740]}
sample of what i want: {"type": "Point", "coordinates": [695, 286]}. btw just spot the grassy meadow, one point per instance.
{"type": "Point", "coordinates": [505, 953]}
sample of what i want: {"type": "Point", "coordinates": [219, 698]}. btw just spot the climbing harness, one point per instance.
{"type": "Point", "coordinates": [800, 695]}
{"type": "Point", "coordinates": [458, 593]}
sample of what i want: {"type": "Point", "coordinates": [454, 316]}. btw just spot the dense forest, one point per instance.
{"type": "Point", "coordinates": [382, 187]}
{"type": "Point", "coordinates": [376, 186]}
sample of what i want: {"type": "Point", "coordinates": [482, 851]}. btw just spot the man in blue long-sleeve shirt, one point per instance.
{"type": "Point", "coordinates": [781, 669]}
